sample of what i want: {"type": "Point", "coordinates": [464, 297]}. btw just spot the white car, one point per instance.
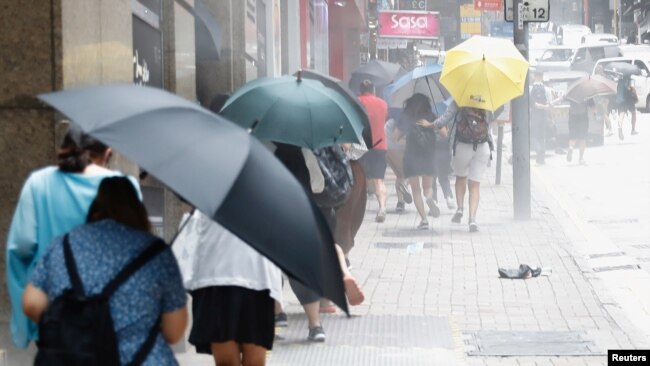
{"type": "Point", "coordinates": [571, 34]}
{"type": "Point", "coordinates": [641, 82]}
{"type": "Point", "coordinates": [599, 38]}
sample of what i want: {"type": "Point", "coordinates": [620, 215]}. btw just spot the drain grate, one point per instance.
{"type": "Point", "coordinates": [603, 255]}
{"type": "Point", "coordinates": [616, 268]}
{"type": "Point", "coordinates": [392, 245]}
{"type": "Point", "coordinates": [613, 221]}
{"type": "Point", "coordinates": [527, 343]}
{"type": "Point", "coordinates": [409, 233]}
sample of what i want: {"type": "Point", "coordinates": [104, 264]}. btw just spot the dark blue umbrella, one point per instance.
{"type": "Point", "coordinates": [217, 167]}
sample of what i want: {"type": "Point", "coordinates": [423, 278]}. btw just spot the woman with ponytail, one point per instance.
{"type": "Point", "coordinates": [53, 200]}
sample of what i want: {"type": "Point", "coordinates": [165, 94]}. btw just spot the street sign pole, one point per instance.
{"type": "Point", "coordinates": [521, 126]}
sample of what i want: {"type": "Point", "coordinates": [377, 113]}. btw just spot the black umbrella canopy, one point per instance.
{"type": "Point", "coordinates": [622, 68]}
{"type": "Point", "coordinates": [381, 73]}
{"type": "Point", "coordinates": [338, 86]}
{"type": "Point", "coordinates": [208, 34]}
{"type": "Point", "coordinates": [217, 167]}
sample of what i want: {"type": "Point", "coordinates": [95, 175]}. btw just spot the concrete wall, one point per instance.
{"type": "Point", "coordinates": [56, 44]}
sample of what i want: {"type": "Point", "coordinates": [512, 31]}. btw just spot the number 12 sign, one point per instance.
{"type": "Point", "coordinates": [534, 10]}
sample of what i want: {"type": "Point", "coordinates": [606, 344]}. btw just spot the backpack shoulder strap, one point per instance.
{"type": "Point", "coordinates": [71, 266]}
{"type": "Point", "coordinates": [155, 248]}
{"type": "Point", "coordinates": [142, 353]}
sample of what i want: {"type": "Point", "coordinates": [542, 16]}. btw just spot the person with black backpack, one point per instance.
{"type": "Point", "coordinates": [471, 144]}
{"type": "Point", "coordinates": [540, 100]}
{"type": "Point", "coordinates": [108, 292]}
{"type": "Point", "coordinates": [419, 154]}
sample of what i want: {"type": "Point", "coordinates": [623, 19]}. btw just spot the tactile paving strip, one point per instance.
{"type": "Point", "coordinates": [368, 340]}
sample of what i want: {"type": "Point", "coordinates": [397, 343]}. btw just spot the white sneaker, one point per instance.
{"type": "Point", "coordinates": [451, 203]}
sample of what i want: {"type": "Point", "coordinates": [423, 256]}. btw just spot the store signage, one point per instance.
{"type": "Point", "coordinates": [488, 5]}
{"type": "Point", "coordinates": [408, 24]}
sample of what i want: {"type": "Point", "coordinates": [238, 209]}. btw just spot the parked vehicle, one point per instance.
{"type": "Point", "coordinates": [641, 82]}
{"type": "Point", "coordinates": [571, 34]}
{"type": "Point", "coordinates": [580, 58]}
{"type": "Point", "coordinates": [635, 49]}
{"type": "Point", "coordinates": [599, 38]}
{"type": "Point", "coordinates": [559, 82]}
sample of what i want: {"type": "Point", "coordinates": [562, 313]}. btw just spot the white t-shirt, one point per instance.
{"type": "Point", "coordinates": [209, 255]}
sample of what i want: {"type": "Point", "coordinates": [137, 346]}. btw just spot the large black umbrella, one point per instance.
{"type": "Point", "coordinates": [339, 87]}
{"type": "Point", "coordinates": [217, 167]}
{"type": "Point", "coordinates": [381, 73]}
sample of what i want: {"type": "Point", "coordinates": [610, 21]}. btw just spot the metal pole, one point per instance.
{"type": "Point", "coordinates": [499, 153]}
{"type": "Point", "coordinates": [521, 127]}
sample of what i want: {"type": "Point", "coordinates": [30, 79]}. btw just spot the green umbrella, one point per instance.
{"type": "Point", "coordinates": [294, 111]}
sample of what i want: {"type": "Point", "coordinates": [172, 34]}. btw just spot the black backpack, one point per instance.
{"type": "Point", "coordinates": [337, 173]}
{"type": "Point", "coordinates": [77, 329]}
{"type": "Point", "coordinates": [471, 130]}
{"type": "Point", "coordinates": [538, 94]}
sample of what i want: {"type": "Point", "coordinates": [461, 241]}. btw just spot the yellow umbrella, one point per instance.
{"type": "Point", "coordinates": [484, 72]}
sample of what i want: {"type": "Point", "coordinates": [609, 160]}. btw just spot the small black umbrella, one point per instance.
{"type": "Point", "coordinates": [217, 167]}
{"type": "Point", "coordinates": [381, 73]}
{"type": "Point", "coordinates": [339, 87]}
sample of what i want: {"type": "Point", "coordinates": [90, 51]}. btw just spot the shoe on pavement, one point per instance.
{"type": "Point", "coordinates": [620, 134]}
{"type": "Point", "coordinates": [406, 195]}
{"type": "Point", "coordinates": [424, 225]}
{"type": "Point", "coordinates": [473, 227]}
{"type": "Point", "coordinates": [569, 155]}
{"type": "Point", "coordinates": [609, 133]}
{"type": "Point", "coordinates": [401, 206]}
{"type": "Point", "coordinates": [457, 216]}
{"type": "Point", "coordinates": [434, 210]}
{"type": "Point", "coordinates": [634, 132]}
{"type": "Point", "coordinates": [583, 162]}
{"type": "Point", "coordinates": [316, 334]}
{"type": "Point", "coordinates": [381, 216]}
{"type": "Point", "coordinates": [451, 203]}
{"type": "Point", "coordinates": [281, 320]}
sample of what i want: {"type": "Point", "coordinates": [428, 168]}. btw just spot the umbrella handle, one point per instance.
{"type": "Point", "coordinates": [251, 129]}
{"type": "Point", "coordinates": [433, 101]}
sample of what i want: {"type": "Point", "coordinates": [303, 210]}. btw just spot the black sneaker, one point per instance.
{"type": "Point", "coordinates": [281, 320]}
{"type": "Point", "coordinates": [401, 206]}
{"type": "Point", "coordinates": [406, 195]}
{"type": "Point", "coordinates": [457, 216]}
{"type": "Point", "coordinates": [316, 334]}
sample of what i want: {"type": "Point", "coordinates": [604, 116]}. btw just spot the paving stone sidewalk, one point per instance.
{"type": "Point", "coordinates": [435, 298]}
